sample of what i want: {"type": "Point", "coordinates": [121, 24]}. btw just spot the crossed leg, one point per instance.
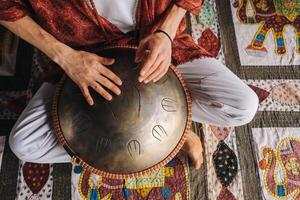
{"type": "Point", "coordinates": [219, 98]}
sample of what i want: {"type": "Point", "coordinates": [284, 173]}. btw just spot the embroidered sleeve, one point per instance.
{"type": "Point", "coordinates": [192, 6]}
{"type": "Point", "coordinates": [12, 10]}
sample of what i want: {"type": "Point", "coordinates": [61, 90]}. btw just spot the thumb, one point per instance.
{"type": "Point", "coordinates": [106, 61]}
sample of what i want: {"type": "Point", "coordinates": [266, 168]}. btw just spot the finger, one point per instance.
{"type": "Point", "coordinates": [140, 52]}
{"type": "Point", "coordinates": [155, 79]}
{"type": "Point", "coordinates": [109, 74]}
{"type": "Point", "coordinates": [150, 60]}
{"type": "Point", "coordinates": [151, 70]}
{"type": "Point", "coordinates": [86, 93]}
{"type": "Point", "coordinates": [156, 73]}
{"type": "Point", "coordinates": [106, 61]}
{"type": "Point", "coordinates": [108, 84]}
{"type": "Point", "coordinates": [100, 90]}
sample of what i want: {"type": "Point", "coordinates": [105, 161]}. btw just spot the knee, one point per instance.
{"type": "Point", "coordinates": [20, 145]}
{"type": "Point", "coordinates": [248, 104]}
{"type": "Point", "coordinates": [16, 144]}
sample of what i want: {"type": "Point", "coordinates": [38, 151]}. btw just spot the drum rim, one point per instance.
{"type": "Point", "coordinates": [75, 159]}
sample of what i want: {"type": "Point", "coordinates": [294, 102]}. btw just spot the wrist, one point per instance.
{"type": "Point", "coordinates": [165, 35]}
{"type": "Point", "coordinates": [169, 31]}
{"type": "Point", "coordinates": [50, 46]}
{"type": "Point", "coordinates": [59, 52]}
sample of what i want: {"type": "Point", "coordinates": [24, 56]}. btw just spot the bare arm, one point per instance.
{"type": "Point", "coordinates": [31, 32]}
{"type": "Point", "coordinates": [173, 20]}
{"type": "Point", "coordinates": [157, 62]}
{"type": "Point", "coordinates": [85, 69]}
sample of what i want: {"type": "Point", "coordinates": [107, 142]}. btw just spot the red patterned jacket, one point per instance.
{"type": "Point", "coordinates": [73, 23]}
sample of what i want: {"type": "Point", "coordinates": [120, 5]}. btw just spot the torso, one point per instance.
{"type": "Point", "coordinates": [120, 13]}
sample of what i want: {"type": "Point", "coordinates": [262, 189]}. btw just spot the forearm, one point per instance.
{"type": "Point", "coordinates": [31, 32]}
{"type": "Point", "coordinates": [172, 21]}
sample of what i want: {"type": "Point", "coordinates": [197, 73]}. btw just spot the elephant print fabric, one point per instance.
{"type": "Point", "coordinates": [267, 31]}
{"type": "Point", "coordinates": [279, 162]}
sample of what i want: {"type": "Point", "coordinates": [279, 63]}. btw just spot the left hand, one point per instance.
{"type": "Point", "coordinates": [154, 52]}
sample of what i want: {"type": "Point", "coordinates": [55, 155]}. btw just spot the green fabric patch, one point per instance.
{"type": "Point", "coordinates": [207, 14]}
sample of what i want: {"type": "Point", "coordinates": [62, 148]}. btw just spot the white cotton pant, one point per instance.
{"type": "Point", "coordinates": [219, 98]}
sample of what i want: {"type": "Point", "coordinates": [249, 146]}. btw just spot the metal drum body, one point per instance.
{"type": "Point", "coordinates": [136, 132]}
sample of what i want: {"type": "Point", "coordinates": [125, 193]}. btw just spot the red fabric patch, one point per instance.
{"type": "Point", "coordinates": [210, 42]}
{"type": "Point", "coordinates": [36, 175]}
{"type": "Point", "coordinates": [225, 194]}
{"type": "Point", "coordinates": [221, 132]}
{"type": "Point", "coordinates": [261, 93]}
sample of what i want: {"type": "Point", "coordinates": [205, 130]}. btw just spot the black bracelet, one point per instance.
{"type": "Point", "coordinates": [161, 31]}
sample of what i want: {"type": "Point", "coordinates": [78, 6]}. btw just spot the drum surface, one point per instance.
{"type": "Point", "coordinates": [139, 130]}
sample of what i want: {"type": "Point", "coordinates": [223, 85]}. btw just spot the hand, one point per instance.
{"type": "Point", "coordinates": [154, 52]}
{"type": "Point", "coordinates": [88, 70]}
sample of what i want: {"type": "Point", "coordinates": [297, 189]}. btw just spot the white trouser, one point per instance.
{"type": "Point", "coordinates": [219, 98]}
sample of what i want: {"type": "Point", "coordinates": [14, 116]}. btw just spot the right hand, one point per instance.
{"type": "Point", "coordinates": [88, 70]}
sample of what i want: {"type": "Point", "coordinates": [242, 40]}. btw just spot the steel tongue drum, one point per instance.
{"type": "Point", "coordinates": [136, 133]}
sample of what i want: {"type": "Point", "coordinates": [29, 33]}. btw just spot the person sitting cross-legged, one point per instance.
{"type": "Point", "coordinates": [65, 30]}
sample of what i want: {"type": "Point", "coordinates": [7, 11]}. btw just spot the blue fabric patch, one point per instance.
{"type": "Point", "coordinates": [251, 20]}
{"type": "Point", "coordinates": [94, 195]}
{"type": "Point", "coordinates": [166, 192]}
{"type": "Point", "coordinates": [280, 42]}
{"type": "Point", "coordinates": [126, 193]}
{"type": "Point", "coordinates": [77, 169]}
{"type": "Point", "coordinates": [260, 37]}
{"type": "Point", "coordinates": [171, 163]}
{"type": "Point", "coordinates": [280, 190]}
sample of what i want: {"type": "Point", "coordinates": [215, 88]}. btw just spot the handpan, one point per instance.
{"type": "Point", "coordinates": [137, 132]}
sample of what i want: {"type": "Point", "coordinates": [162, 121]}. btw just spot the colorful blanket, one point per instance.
{"type": "Point", "coordinates": [256, 39]}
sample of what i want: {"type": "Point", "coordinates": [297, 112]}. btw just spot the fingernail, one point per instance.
{"type": "Point", "coordinates": [140, 79]}
{"type": "Point", "coordinates": [146, 81]}
{"type": "Point", "coordinates": [119, 92]}
{"type": "Point", "coordinates": [142, 73]}
{"type": "Point", "coordinates": [154, 80]}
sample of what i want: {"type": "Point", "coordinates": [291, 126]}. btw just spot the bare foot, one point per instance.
{"type": "Point", "coordinates": [193, 148]}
